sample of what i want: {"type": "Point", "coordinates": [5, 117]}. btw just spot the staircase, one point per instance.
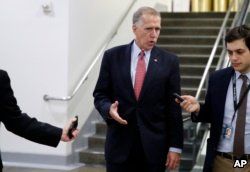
{"type": "Point", "coordinates": [191, 36]}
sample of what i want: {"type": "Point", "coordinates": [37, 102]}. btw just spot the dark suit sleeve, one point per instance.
{"type": "Point", "coordinates": [205, 109]}
{"type": "Point", "coordinates": [20, 123]}
{"type": "Point", "coordinates": [102, 92]}
{"type": "Point", "coordinates": [176, 123]}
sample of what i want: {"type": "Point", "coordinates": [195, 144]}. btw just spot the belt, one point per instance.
{"type": "Point", "coordinates": [232, 157]}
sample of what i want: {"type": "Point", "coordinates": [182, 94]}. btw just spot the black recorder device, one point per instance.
{"type": "Point", "coordinates": [72, 127]}
{"type": "Point", "coordinates": [177, 96]}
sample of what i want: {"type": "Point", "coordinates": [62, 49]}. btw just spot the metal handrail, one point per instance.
{"type": "Point", "coordinates": [242, 15]}
{"type": "Point", "coordinates": [84, 78]}
{"type": "Point", "coordinates": [212, 55]}
{"type": "Point", "coordinates": [203, 143]}
{"type": "Point", "coordinates": [99, 54]}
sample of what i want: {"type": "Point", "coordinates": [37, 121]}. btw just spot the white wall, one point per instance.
{"type": "Point", "coordinates": [34, 52]}
{"type": "Point", "coordinates": [181, 5]}
{"type": "Point", "coordinates": [90, 24]}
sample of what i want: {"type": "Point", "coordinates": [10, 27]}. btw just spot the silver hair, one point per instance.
{"type": "Point", "coordinates": [144, 10]}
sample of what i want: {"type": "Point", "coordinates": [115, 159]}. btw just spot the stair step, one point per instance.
{"type": "Point", "coordinates": [101, 128]}
{"type": "Point", "coordinates": [186, 162]}
{"type": "Point", "coordinates": [92, 168]}
{"type": "Point", "coordinates": [92, 156]}
{"type": "Point", "coordinates": [195, 22]}
{"type": "Point", "coordinates": [189, 146]}
{"type": "Point", "coordinates": [195, 15]}
{"type": "Point", "coordinates": [192, 91]}
{"type": "Point", "coordinates": [188, 30]}
{"type": "Point", "coordinates": [96, 141]}
{"type": "Point", "coordinates": [190, 81]}
{"type": "Point", "coordinates": [187, 39]}
{"type": "Point", "coordinates": [190, 49]}
{"type": "Point", "coordinates": [198, 59]}
{"type": "Point", "coordinates": [197, 70]}
{"type": "Point", "coordinates": [185, 114]}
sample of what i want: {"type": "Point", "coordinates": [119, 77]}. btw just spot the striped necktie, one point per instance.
{"type": "Point", "coordinates": [139, 74]}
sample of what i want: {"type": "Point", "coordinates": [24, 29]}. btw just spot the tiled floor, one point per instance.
{"type": "Point", "coordinates": [80, 169]}
{"type": "Point", "coordinates": [22, 169]}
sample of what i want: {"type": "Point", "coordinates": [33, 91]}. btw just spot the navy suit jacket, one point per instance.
{"type": "Point", "coordinates": [213, 111]}
{"type": "Point", "coordinates": [157, 116]}
{"type": "Point", "coordinates": [20, 123]}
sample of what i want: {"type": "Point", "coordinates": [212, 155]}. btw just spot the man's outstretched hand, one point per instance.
{"type": "Point", "coordinates": [113, 112]}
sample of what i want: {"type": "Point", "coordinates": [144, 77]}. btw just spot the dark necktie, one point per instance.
{"type": "Point", "coordinates": [239, 137]}
{"type": "Point", "coordinates": [139, 74]}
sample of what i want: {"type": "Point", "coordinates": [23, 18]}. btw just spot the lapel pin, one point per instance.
{"type": "Point", "coordinates": [155, 59]}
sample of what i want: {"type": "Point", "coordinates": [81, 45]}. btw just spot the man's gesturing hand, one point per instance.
{"type": "Point", "coordinates": [113, 112]}
{"type": "Point", "coordinates": [173, 160]}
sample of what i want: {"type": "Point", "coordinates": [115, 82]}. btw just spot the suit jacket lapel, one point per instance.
{"type": "Point", "coordinates": [125, 69]}
{"type": "Point", "coordinates": [151, 71]}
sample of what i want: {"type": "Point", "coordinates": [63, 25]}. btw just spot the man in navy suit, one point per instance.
{"type": "Point", "coordinates": [134, 96]}
{"type": "Point", "coordinates": [21, 124]}
{"type": "Point", "coordinates": [222, 107]}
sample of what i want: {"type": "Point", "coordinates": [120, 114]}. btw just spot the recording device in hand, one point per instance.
{"type": "Point", "coordinates": [72, 127]}
{"type": "Point", "coordinates": [177, 96]}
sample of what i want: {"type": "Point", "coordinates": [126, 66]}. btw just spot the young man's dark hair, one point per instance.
{"type": "Point", "coordinates": [240, 32]}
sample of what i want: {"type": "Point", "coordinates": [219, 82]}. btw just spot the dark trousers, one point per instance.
{"type": "Point", "coordinates": [136, 160]}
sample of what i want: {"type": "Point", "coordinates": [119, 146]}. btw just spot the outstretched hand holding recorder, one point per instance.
{"type": "Point", "coordinates": [72, 127]}
{"type": "Point", "coordinates": [190, 104]}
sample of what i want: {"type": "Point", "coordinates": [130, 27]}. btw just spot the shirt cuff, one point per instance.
{"type": "Point", "coordinates": [177, 150]}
